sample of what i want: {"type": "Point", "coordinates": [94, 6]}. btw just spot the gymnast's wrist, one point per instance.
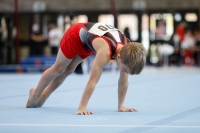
{"type": "Point", "coordinates": [81, 107]}
{"type": "Point", "coordinates": [120, 105]}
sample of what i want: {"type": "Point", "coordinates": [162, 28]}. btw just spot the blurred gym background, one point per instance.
{"type": "Point", "coordinates": [30, 30]}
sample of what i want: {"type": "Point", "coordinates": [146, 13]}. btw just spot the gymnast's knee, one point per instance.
{"type": "Point", "coordinates": [57, 70]}
{"type": "Point", "coordinates": [69, 70]}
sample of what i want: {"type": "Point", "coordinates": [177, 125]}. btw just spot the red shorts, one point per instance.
{"type": "Point", "coordinates": [71, 44]}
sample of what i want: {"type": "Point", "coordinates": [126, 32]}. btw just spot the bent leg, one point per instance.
{"type": "Point", "coordinates": [50, 74]}
{"type": "Point", "coordinates": [58, 81]}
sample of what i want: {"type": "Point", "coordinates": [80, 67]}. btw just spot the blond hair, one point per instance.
{"type": "Point", "coordinates": [133, 55]}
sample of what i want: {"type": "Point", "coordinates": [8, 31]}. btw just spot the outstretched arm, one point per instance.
{"type": "Point", "coordinates": [122, 89]}
{"type": "Point", "coordinates": [102, 58]}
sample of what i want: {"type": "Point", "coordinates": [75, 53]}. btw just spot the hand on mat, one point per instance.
{"type": "Point", "coordinates": [125, 109]}
{"type": "Point", "coordinates": [84, 112]}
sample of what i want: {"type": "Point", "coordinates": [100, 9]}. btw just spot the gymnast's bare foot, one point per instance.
{"type": "Point", "coordinates": [31, 100]}
{"type": "Point", "coordinates": [42, 100]}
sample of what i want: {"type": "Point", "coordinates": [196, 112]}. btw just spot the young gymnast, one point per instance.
{"type": "Point", "coordinates": [79, 42]}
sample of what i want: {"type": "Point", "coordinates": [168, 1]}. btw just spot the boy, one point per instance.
{"type": "Point", "coordinates": [79, 42]}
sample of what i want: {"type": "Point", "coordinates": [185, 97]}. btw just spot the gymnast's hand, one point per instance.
{"type": "Point", "coordinates": [84, 112]}
{"type": "Point", "coordinates": [125, 109]}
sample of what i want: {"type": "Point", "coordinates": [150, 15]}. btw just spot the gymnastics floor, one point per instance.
{"type": "Point", "coordinates": [168, 100]}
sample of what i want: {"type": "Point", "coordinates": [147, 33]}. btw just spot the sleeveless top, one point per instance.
{"type": "Point", "coordinates": [110, 34]}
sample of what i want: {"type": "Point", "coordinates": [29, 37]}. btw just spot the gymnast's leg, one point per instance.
{"type": "Point", "coordinates": [48, 76]}
{"type": "Point", "coordinates": [59, 80]}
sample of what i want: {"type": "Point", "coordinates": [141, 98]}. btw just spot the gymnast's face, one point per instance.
{"type": "Point", "coordinates": [122, 66]}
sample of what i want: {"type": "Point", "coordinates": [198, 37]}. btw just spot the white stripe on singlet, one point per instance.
{"type": "Point", "coordinates": [115, 34]}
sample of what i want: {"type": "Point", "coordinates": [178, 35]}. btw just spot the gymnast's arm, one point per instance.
{"type": "Point", "coordinates": [102, 58]}
{"type": "Point", "coordinates": [122, 90]}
